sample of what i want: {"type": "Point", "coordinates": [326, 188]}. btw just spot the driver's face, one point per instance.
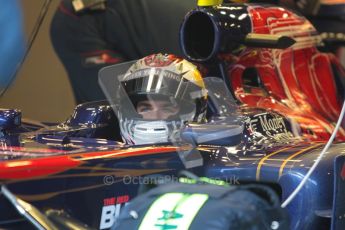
{"type": "Point", "coordinates": [157, 109]}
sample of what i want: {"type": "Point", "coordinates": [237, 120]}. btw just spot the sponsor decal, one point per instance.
{"type": "Point", "coordinates": [274, 123]}
{"type": "Point", "coordinates": [173, 211]}
{"type": "Point", "coordinates": [155, 72]}
{"type": "Point", "coordinates": [111, 210]}
{"type": "Point", "coordinates": [270, 125]}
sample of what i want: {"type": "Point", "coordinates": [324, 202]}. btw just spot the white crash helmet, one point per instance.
{"type": "Point", "coordinates": [158, 77]}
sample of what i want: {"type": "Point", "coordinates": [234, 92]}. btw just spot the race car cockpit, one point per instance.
{"type": "Point", "coordinates": [163, 99]}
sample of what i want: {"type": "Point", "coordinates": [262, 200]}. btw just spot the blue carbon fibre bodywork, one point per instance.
{"type": "Point", "coordinates": [82, 174]}
{"type": "Point", "coordinates": [82, 190]}
{"type": "Point", "coordinates": [314, 203]}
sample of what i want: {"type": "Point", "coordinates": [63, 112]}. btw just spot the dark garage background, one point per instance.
{"type": "Point", "coordinates": [41, 90]}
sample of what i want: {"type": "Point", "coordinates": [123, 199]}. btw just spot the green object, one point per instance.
{"type": "Point", "coordinates": [173, 211]}
{"type": "Point", "coordinates": [203, 179]}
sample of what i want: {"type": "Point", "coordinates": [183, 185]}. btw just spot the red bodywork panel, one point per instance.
{"type": "Point", "coordinates": [47, 165]}
{"type": "Point", "coordinates": [297, 82]}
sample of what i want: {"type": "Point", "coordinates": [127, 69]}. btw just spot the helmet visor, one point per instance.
{"type": "Point", "coordinates": [154, 84]}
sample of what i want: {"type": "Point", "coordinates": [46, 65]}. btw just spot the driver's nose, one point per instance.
{"type": "Point", "coordinates": [160, 115]}
{"type": "Point", "coordinates": [155, 115]}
